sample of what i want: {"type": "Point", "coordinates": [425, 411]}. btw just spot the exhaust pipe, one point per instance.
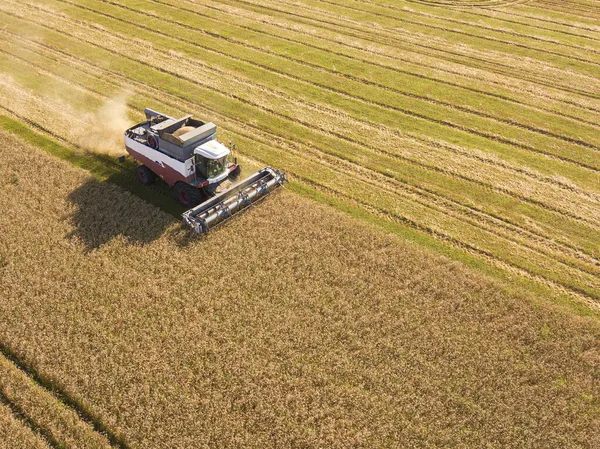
{"type": "Point", "coordinates": [223, 206]}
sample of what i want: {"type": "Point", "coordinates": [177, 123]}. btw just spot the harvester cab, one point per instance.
{"type": "Point", "coordinates": [186, 154]}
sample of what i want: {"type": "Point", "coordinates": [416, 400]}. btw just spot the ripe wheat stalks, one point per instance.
{"type": "Point", "coordinates": [302, 327]}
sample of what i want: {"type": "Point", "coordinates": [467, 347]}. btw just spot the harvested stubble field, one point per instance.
{"type": "Point", "coordinates": [470, 129]}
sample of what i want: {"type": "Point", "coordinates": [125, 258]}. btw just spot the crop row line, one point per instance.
{"type": "Point", "coordinates": [546, 19]}
{"type": "Point", "coordinates": [405, 93]}
{"type": "Point", "coordinates": [346, 5]}
{"type": "Point", "coordinates": [486, 135]}
{"type": "Point", "coordinates": [394, 31]}
{"type": "Point", "coordinates": [253, 134]}
{"type": "Point", "coordinates": [449, 55]}
{"type": "Point", "coordinates": [328, 48]}
{"type": "Point", "coordinates": [451, 30]}
{"type": "Point", "coordinates": [571, 9]}
{"type": "Point", "coordinates": [476, 12]}
{"type": "Point", "coordinates": [54, 388]}
{"type": "Point", "coordinates": [466, 5]}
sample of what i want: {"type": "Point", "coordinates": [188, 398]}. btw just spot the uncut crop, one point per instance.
{"type": "Point", "coordinates": [15, 435]}
{"type": "Point", "coordinates": [291, 326]}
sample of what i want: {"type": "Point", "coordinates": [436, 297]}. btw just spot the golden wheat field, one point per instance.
{"type": "Point", "coordinates": [124, 332]}
{"type": "Point", "coordinates": [430, 277]}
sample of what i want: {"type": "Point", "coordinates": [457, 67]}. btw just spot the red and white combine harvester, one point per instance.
{"type": "Point", "coordinates": [186, 154]}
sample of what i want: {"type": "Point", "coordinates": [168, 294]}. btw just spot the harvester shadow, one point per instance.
{"type": "Point", "coordinates": [104, 211]}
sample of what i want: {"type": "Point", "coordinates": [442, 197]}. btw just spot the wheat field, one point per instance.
{"type": "Point", "coordinates": [120, 331]}
{"type": "Point", "coordinates": [430, 277]}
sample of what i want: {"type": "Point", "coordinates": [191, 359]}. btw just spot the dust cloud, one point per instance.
{"type": "Point", "coordinates": [107, 124]}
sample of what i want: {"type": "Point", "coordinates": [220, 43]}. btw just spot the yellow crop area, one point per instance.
{"type": "Point", "coordinates": [430, 277]}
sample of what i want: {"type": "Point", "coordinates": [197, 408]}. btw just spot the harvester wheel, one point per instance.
{"type": "Point", "coordinates": [187, 195]}
{"type": "Point", "coordinates": [235, 174]}
{"type": "Point", "coordinates": [145, 175]}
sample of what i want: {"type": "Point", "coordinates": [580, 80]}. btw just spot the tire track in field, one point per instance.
{"type": "Point", "coordinates": [499, 16]}
{"type": "Point", "coordinates": [446, 30]}
{"type": "Point", "coordinates": [54, 388]}
{"type": "Point", "coordinates": [543, 205]}
{"type": "Point", "coordinates": [427, 204]}
{"type": "Point", "coordinates": [404, 93]}
{"type": "Point", "coordinates": [346, 5]}
{"type": "Point", "coordinates": [576, 25]}
{"type": "Point", "coordinates": [29, 423]}
{"type": "Point", "coordinates": [390, 68]}
{"type": "Point", "coordinates": [474, 61]}
{"type": "Point", "coordinates": [482, 134]}
{"type": "Point", "coordinates": [279, 24]}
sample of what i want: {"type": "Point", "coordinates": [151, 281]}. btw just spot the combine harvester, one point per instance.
{"type": "Point", "coordinates": [185, 153]}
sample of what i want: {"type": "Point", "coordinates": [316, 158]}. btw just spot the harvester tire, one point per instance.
{"type": "Point", "coordinates": [187, 195]}
{"type": "Point", "coordinates": [145, 175]}
{"type": "Point", "coordinates": [235, 174]}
